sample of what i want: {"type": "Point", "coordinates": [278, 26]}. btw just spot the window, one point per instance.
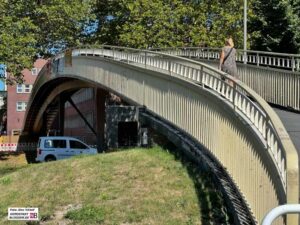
{"type": "Point", "coordinates": [19, 88]}
{"type": "Point", "coordinates": [34, 71]}
{"type": "Point", "coordinates": [21, 106]}
{"type": "Point", "coordinates": [27, 88]}
{"type": "Point", "coordinates": [55, 144]}
{"type": "Point", "coordinates": [24, 88]}
{"type": "Point", "coordinates": [77, 145]}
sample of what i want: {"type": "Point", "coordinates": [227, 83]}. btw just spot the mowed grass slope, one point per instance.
{"type": "Point", "coordinates": [11, 162]}
{"type": "Point", "coordinates": [129, 187]}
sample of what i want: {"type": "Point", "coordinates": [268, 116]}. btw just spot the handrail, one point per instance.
{"type": "Point", "coordinates": [280, 210]}
{"type": "Point", "coordinates": [259, 58]}
{"type": "Point", "coordinates": [257, 112]}
{"type": "Point", "coordinates": [219, 49]}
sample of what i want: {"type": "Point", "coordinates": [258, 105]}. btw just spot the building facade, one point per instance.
{"type": "Point", "coordinates": [18, 97]}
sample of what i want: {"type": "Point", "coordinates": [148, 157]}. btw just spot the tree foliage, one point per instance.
{"type": "Point", "coordinates": [271, 26]}
{"type": "Point", "coordinates": [144, 24]}
{"type": "Point", "coordinates": [61, 23]}
{"type": "Point", "coordinates": [17, 39]}
{"type": "Point", "coordinates": [293, 10]}
{"type": "Point", "coordinates": [37, 28]}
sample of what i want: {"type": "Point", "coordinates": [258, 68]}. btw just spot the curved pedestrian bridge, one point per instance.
{"type": "Point", "coordinates": [274, 76]}
{"type": "Point", "coordinates": [227, 126]}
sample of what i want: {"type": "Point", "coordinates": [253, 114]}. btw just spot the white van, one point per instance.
{"type": "Point", "coordinates": [52, 148]}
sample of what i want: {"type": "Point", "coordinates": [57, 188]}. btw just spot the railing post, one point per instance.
{"type": "Point", "coordinates": [257, 59]}
{"type": "Point", "coordinates": [233, 95]}
{"type": "Point", "coordinates": [145, 59]}
{"type": "Point", "coordinates": [245, 57]}
{"type": "Point", "coordinates": [266, 130]}
{"type": "Point", "coordinates": [293, 64]}
{"type": "Point", "coordinates": [201, 76]}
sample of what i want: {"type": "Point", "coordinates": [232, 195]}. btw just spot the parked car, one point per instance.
{"type": "Point", "coordinates": [52, 148]}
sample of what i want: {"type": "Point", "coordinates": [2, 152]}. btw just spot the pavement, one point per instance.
{"type": "Point", "coordinates": [291, 121]}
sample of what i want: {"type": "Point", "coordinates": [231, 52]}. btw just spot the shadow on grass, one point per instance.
{"type": "Point", "coordinates": [6, 155]}
{"type": "Point", "coordinates": [211, 202]}
{"type": "Point", "coordinates": [8, 170]}
{"type": "Point", "coordinates": [8, 162]}
{"type": "Point", "coordinates": [3, 156]}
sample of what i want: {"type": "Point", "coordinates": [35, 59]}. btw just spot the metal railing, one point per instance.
{"type": "Point", "coordinates": [280, 210]}
{"type": "Point", "coordinates": [274, 76]}
{"type": "Point", "coordinates": [244, 101]}
{"type": "Point", "coordinates": [258, 58]}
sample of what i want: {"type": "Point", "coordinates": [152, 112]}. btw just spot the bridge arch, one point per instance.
{"type": "Point", "coordinates": [199, 103]}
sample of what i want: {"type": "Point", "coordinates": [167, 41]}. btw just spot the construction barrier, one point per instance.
{"type": "Point", "coordinates": [11, 144]}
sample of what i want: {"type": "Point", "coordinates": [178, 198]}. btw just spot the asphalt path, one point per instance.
{"type": "Point", "coordinates": [291, 121]}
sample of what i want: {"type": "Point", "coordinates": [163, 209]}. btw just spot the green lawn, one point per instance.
{"type": "Point", "coordinates": [139, 186]}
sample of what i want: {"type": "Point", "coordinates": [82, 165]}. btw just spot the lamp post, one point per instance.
{"type": "Point", "coordinates": [245, 31]}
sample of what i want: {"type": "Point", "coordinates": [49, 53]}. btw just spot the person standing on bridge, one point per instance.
{"type": "Point", "coordinates": [227, 59]}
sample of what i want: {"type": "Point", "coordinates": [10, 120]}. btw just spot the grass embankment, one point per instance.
{"type": "Point", "coordinates": [10, 162]}
{"type": "Point", "coordinates": [130, 187]}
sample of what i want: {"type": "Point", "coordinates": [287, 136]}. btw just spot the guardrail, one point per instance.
{"type": "Point", "coordinates": [258, 58]}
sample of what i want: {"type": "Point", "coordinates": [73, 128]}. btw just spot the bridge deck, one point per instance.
{"type": "Point", "coordinates": [291, 122]}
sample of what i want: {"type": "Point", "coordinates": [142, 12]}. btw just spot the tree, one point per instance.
{"type": "Point", "coordinates": [271, 27]}
{"type": "Point", "coordinates": [61, 23]}
{"type": "Point", "coordinates": [35, 28]}
{"type": "Point", "coordinates": [155, 24]}
{"type": "Point", "coordinates": [17, 39]}
{"type": "Point", "coordinates": [224, 18]}
{"type": "Point", "coordinates": [294, 19]}
{"type": "Point", "coordinates": [144, 24]}
{"type": "Point", "coordinates": [110, 16]}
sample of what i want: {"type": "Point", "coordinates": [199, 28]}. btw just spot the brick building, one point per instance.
{"type": "Point", "coordinates": [18, 96]}
{"type": "Point", "coordinates": [74, 125]}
